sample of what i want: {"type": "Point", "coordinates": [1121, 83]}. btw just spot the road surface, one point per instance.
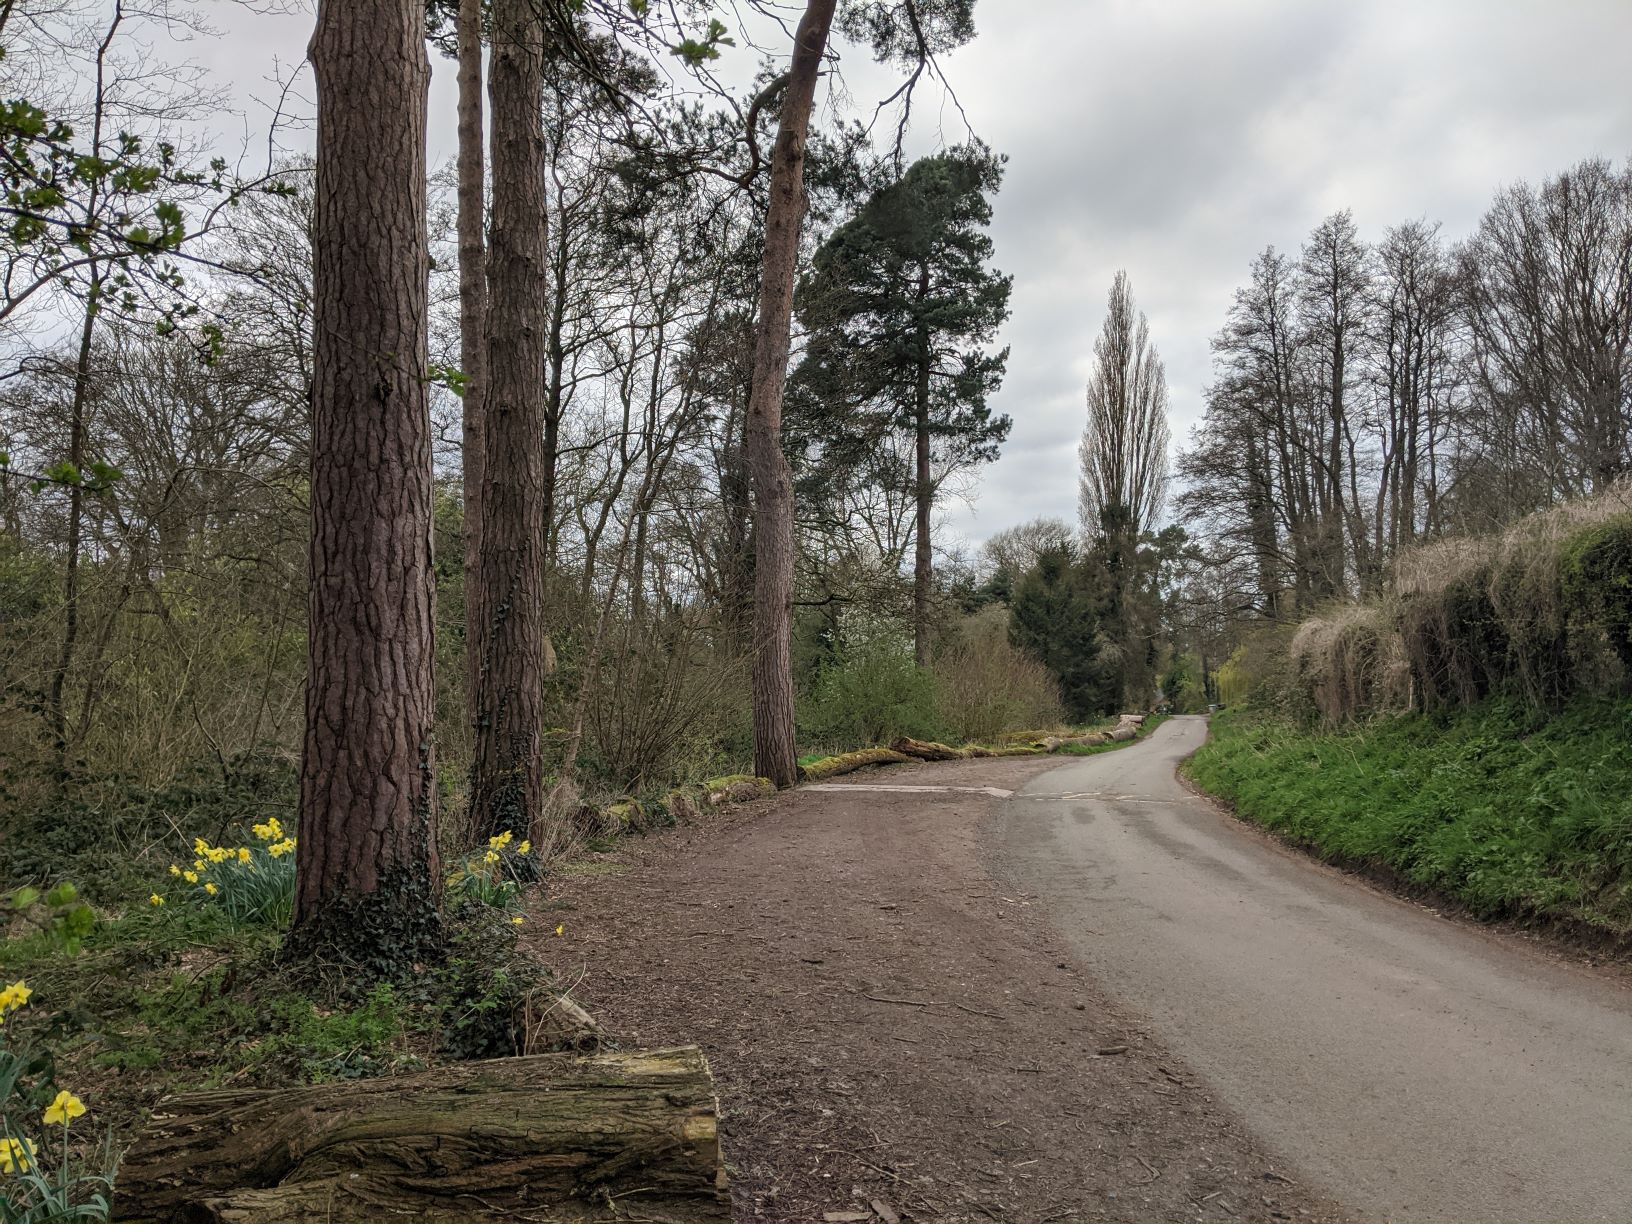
{"type": "Point", "coordinates": [1411, 1066]}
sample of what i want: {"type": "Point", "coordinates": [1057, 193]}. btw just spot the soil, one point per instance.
{"type": "Point", "coordinates": [895, 1034]}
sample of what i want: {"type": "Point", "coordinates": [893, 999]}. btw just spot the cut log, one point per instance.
{"type": "Point", "coordinates": [1124, 732]}
{"type": "Point", "coordinates": [849, 762]}
{"type": "Point", "coordinates": [926, 750]}
{"type": "Point", "coordinates": [549, 1137]}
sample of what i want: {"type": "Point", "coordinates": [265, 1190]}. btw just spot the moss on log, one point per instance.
{"type": "Point", "coordinates": [849, 762]}
{"type": "Point", "coordinates": [550, 1137]}
{"type": "Point", "coordinates": [737, 788]}
{"type": "Point", "coordinates": [927, 750]}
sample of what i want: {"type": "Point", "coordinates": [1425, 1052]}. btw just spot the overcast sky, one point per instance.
{"type": "Point", "coordinates": [1176, 138]}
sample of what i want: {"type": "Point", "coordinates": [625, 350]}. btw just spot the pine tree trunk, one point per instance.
{"type": "Point", "coordinates": [923, 557]}
{"type": "Point", "coordinates": [506, 786]}
{"type": "Point", "coordinates": [367, 876]}
{"type": "Point", "coordinates": [472, 323]}
{"type": "Point", "coordinates": [774, 754]}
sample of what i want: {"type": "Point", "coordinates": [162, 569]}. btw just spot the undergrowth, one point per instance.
{"type": "Point", "coordinates": [1511, 812]}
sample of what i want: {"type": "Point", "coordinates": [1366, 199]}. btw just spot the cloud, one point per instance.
{"type": "Point", "coordinates": [1176, 138]}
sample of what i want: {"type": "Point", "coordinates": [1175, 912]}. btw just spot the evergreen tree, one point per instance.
{"type": "Point", "coordinates": [1056, 616]}
{"type": "Point", "coordinates": [901, 305]}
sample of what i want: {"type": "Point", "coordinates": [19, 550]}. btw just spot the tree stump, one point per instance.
{"type": "Point", "coordinates": [547, 1138]}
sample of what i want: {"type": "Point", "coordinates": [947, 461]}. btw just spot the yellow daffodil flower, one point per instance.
{"type": "Point", "coordinates": [517, 920]}
{"type": "Point", "coordinates": [492, 856]}
{"type": "Point", "coordinates": [243, 854]}
{"type": "Point", "coordinates": [154, 899]}
{"type": "Point", "coordinates": [211, 889]}
{"type": "Point", "coordinates": [16, 1155]}
{"type": "Point", "coordinates": [174, 870]}
{"type": "Point", "coordinates": [200, 865]}
{"type": "Point", "coordinates": [190, 876]}
{"type": "Point", "coordinates": [562, 929]}
{"type": "Point", "coordinates": [200, 845]}
{"type": "Point", "coordinates": [64, 1109]}
{"type": "Point", "coordinates": [524, 847]}
{"type": "Point", "coordinates": [14, 996]}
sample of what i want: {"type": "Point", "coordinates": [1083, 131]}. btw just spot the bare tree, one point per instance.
{"type": "Point", "coordinates": [367, 876]}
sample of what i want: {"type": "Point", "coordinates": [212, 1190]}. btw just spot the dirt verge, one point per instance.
{"type": "Point", "coordinates": [894, 1035]}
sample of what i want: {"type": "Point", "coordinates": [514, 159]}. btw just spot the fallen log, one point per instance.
{"type": "Point", "coordinates": [849, 762]}
{"type": "Point", "coordinates": [1124, 732]}
{"type": "Point", "coordinates": [926, 750]}
{"type": "Point", "coordinates": [550, 1137]}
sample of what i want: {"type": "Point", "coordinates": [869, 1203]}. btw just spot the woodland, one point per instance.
{"type": "Point", "coordinates": [376, 536]}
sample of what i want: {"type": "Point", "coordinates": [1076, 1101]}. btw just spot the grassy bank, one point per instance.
{"type": "Point", "coordinates": [1509, 812]}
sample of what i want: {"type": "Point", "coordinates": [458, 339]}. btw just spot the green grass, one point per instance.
{"type": "Point", "coordinates": [1510, 812]}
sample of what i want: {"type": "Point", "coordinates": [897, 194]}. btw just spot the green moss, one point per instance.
{"type": "Point", "coordinates": [847, 762]}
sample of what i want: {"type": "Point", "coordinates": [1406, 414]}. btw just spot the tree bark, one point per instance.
{"type": "Point", "coordinates": [56, 708]}
{"type": "Point", "coordinates": [544, 1137]}
{"type": "Point", "coordinates": [472, 324]}
{"type": "Point", "coordinates": [774, 754]}
{"type": "Point", "coordinates": [367, 879]}
{"type": "Point", "coordinates": [923, 557]}
{"type": "Point", "coordinates": [507, 787]}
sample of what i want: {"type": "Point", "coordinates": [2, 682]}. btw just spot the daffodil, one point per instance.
{"type": "Point", "coordinates": [200, 845]}
{"type": "Point", "coordinates": [64, 1109]}
{"type": "Point", "coordinates": [517, 920]}
{"type": "Point", "coordinates": [243, 854]}
{"type": "Point", "coordinates": [174, 870]}
{"type": "Point", "coordinates": [217, 854]}
{"type": "Point", "coordinates": [154, 899]}
{"type": "Point", "coordinates": [279, 849]}
{"type": "Point", "coordinates": [492, 856]}
{"type": "Point", "coordinates": [16, 1155]}
{"type": "Point", "coordinates": [14, 996]}
{"type": "Point", "coordinates": [211, 889]}
{"type": "Point", "coordinates": [561, 929]}
{"type": "Point", "coordinates": [200, 865]}
{"type": "Point", "coordinates": [190, 876]}
{"type": "Point", "coordinates": [524, 847]}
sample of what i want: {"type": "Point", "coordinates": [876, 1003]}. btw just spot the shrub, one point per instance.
{"type": "Point", "coordinates": [870, 693]}
{"type": "Point", "coordinates": [985, 686]}
{"type": "Point", "coordinates": [1597, 583]}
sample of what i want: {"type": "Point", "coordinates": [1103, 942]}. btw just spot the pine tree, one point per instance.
{"type": "Point", "coordinates": [901, 305]}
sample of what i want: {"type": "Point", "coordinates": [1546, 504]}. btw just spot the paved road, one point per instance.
{"type": "Point", "coordinates": [1412, 1067]}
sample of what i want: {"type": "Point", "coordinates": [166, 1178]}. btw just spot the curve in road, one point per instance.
{"type": "Point", "coordinates": [1414, 1067]}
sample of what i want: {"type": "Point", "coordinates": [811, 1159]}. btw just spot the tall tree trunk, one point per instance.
{"type": "Point", "coordinates": [472, 323]}
{"type": "Point", "coordinates": [507, 784]}
{"type": "Point", "coordinates": [367, 878]}
{"type": "Point", "coordinates": [923, 557]}
{"type": "Point", "coordinates": [774, 755]}
{"type": "Point", "coordinates": [56, 711]}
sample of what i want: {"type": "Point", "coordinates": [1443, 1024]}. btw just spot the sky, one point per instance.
{"type": "Point", "coordinates": [1176, 139]}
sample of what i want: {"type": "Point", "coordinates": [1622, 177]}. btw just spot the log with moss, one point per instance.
{"type": "Point", "coordinates": [927, 750]}
{"type": "Point", "coordinates": [549, 1138]}
{"type": "Point", "coordinates": [849, 762]}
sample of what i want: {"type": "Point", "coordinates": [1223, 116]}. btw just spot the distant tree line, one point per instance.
{"type": "Point", "coordinates": [1371, 396]}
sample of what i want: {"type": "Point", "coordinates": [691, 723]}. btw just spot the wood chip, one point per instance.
{"type": "Point", "coordinates": [1106, 1051]}
{"type": "Point", "coordinates": [846, 1217]}
{"type": "Point", "coordinates": [884, 1211]}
